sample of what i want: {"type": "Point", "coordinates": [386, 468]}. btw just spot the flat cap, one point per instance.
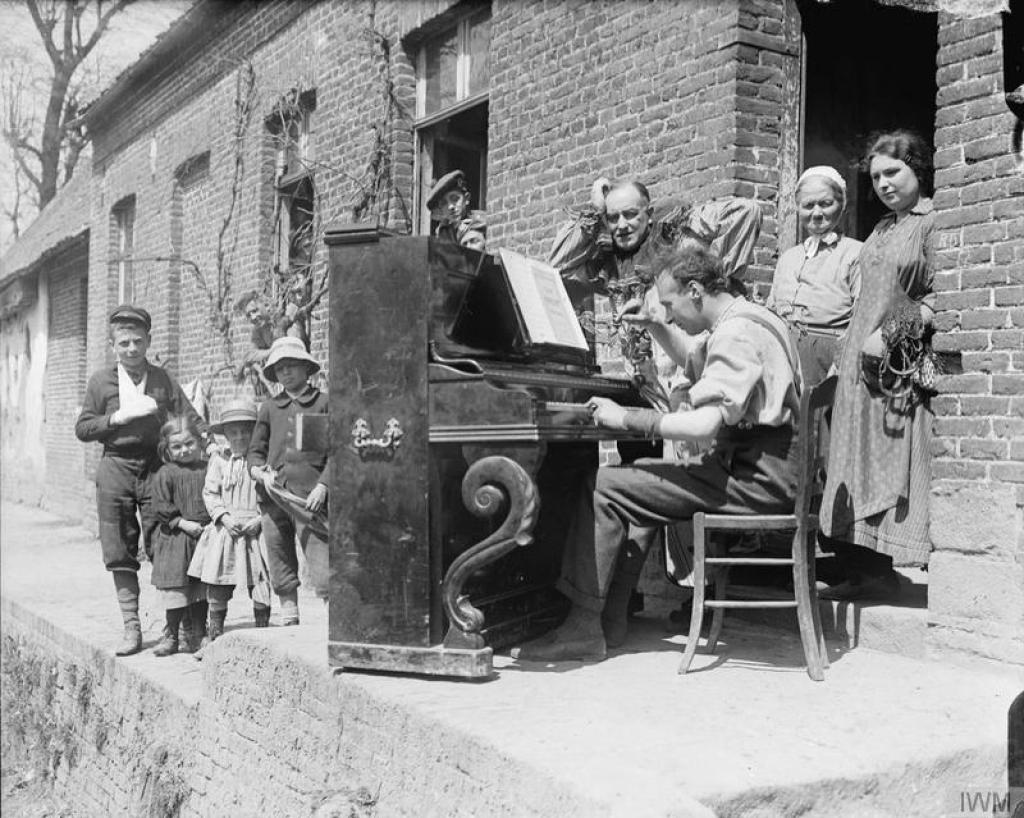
{"type": "Point", "coordinates": [450, 181]}
{"type": "Point", "coordinates": [136, 315]}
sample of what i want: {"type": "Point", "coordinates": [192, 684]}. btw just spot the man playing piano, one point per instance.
{"type": "Point", "coordinates": [745, 399]}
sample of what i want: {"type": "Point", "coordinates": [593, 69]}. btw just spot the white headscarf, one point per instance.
{"type": "Point", "coordinates": [828, 172]}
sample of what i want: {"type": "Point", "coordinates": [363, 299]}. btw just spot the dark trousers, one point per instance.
{"type": "Point", "coordinates": [279, 532]}
{"type": "Point", "coordinates": [122, 490]}
{"type": "Point", "coordinates": [746, 472]}
{"type": "Point", "coordinates": [282, 559]}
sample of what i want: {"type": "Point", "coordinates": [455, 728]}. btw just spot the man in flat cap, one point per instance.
{"type": "Point", "coordinates": [448, 203]}
{"type": "Point", "coordinates": [124, 407]}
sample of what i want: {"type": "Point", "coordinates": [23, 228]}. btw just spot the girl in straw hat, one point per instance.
{"type": "Point", "coordinates": [231, 552]}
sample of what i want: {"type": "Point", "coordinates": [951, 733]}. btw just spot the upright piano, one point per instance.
{"type": "Point", "coordinates": [460, 445]}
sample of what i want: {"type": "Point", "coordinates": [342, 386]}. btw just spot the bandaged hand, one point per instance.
{"type": "Point", "coordinates": [316, 498]}
{"type": "Point", "coordinates": [140, 407]}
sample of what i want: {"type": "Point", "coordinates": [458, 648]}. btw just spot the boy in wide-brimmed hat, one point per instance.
{"type": "Point", "coordinates": [274, 460]}
{"type": "Point", "coordinates": [124, 407]}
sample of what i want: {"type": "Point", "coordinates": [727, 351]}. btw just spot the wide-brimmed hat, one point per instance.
{"type": "Point", "coordinates": [239, 410]}
{"type": "Point", "coordinates": [456, 180]}
{"type": "Point", "coordinates": [132, 314]}
{"type": "Point", "coordinates": [287, 348]}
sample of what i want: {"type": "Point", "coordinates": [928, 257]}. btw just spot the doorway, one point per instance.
{"type": "Point", "coordinates": [868, 67]}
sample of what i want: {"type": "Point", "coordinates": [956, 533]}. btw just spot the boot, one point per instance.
{"type": "Point", "coordinates": [261, 615]}
{"type": "Point", "coordinates": [216, 625]}
{"type": "Point", "coordinates": [289, 608]}
{"type": "Point", "coordinates": [185, 632]}
{"type": "Point", "coordinates": [197, 633]}
{"type": "Point", "coordinates": [132, 641]}
{"type": "Point", "coordinates": [168, 644]}
{"type": "Point", "coordinates": [126, 584]}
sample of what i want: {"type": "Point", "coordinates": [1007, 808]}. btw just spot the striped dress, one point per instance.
{"type": "Point", "coordinates": [879, 472]}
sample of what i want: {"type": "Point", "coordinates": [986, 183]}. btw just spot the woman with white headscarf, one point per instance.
{"type": "Point", "coordinates": [817, 281]}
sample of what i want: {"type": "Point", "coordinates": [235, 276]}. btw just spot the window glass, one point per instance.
{"type": "Point", "coordinates": [442, 71]}
{"type": "Point", "coordinates": [479, 45]}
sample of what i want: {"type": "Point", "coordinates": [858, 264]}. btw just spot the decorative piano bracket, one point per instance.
{"type": "Point", "coordinates": [376, 448]}
{"type": "Point", "coordinates": [491, 484]}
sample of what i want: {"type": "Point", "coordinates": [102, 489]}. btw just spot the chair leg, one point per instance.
{"type": "Point", "coordinates": [804, 612]}
{"type": "Point", "coordinates": [697, 605]}
{"type": "Point", "coordinates": [812, 584]}
{"type": "Point", "coordinates": [721, 583]}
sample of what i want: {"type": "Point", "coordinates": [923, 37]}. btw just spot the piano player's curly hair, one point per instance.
{"type": "Point", "coordinates": [693, 263]}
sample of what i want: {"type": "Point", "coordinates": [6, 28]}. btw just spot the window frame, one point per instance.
{"type": "Point", "coordinates": [464, 101]}
{"type": "Point", "coordinates": [122, 217]}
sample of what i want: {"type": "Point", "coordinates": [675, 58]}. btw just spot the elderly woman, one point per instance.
{"type": "Point", "coordinates": [874, 513]}
{"type": "Point", "coordinates": [745, 402]}
{"type": "Point", "coordinates": [816, 282]}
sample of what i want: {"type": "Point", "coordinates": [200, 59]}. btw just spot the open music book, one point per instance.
{"type": "Point", "coordinates": [543, 302]}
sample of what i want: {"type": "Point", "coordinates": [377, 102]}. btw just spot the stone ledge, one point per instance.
{"type": "Point", "coordinates": [264, 726]}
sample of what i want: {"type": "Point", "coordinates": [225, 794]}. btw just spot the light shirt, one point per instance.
{"type": "Point", "coordinates": [816, 282]}
{"type": "Point", "coordinates": [748, 371]}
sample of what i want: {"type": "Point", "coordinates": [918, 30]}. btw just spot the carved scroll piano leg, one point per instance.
{"type": "Point", "coordinates": [491, 485]}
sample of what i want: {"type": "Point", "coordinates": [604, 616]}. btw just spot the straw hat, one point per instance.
{"type": "Point", "coordinates": [239, 410]}
{"type": "Point", "coordinates": [291, 349]}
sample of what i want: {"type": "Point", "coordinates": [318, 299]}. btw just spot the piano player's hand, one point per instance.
{"type": "Point", "coordinates": [637, 313]}
{"type": "Point", "coordinates": [607, 413]}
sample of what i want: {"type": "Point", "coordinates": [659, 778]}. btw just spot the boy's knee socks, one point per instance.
{"type": "Point", "coordinates": [126, 584]}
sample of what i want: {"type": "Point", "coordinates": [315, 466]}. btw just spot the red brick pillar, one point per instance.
{"type": "Point", "coordinates": [976, 585]}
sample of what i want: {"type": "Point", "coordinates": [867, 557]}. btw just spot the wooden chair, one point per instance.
{"type": "Point", "coordinates": [813, 405]}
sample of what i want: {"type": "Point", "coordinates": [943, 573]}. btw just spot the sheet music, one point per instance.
{"type": "Point", "coordinates": [543, 301]}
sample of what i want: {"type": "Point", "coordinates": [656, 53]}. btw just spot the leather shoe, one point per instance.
{"type": "Point", "coordinates": [131, 643]}
{"type": "Point", "coordinates": [580, 650]}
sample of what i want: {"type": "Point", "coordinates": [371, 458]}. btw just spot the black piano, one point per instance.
{"type": "Point", "coordinates": [459, 446]}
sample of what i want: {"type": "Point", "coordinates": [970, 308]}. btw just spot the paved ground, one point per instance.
{"type": "Point", "coordinates": [748, 734]}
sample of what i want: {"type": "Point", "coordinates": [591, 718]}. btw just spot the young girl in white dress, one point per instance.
{"type": "Point", "coordinates": [231, 552]}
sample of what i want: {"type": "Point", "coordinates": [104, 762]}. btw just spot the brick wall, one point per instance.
{"type": "Point", "coordinates": [65, 382]}
{"type": "Point", "coordinates": [116, 740]}
{"type": "Point", "coordinates": [976, 589]}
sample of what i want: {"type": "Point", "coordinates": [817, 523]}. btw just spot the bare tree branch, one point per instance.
{"type": "Point", "coordinates": [45, 28]}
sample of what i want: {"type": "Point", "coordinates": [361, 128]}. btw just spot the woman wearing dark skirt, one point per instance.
{"type": "Point", "coordinates": [874, 512]}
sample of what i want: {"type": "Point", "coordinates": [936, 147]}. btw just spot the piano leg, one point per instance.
{"type": "Point", "coordinates": [492, 485]}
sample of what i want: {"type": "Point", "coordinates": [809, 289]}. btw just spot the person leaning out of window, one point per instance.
{"type": "Point", "coordinates": [817, 282]}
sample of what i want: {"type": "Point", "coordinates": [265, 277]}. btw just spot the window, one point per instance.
{"type": "Point", "coordinates": [452, 80]}
{"type": "Point", "coordinates": [122, 219]}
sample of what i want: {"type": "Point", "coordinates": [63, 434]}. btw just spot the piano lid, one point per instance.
{"type": "Point", "coordinates": [505, 307]}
